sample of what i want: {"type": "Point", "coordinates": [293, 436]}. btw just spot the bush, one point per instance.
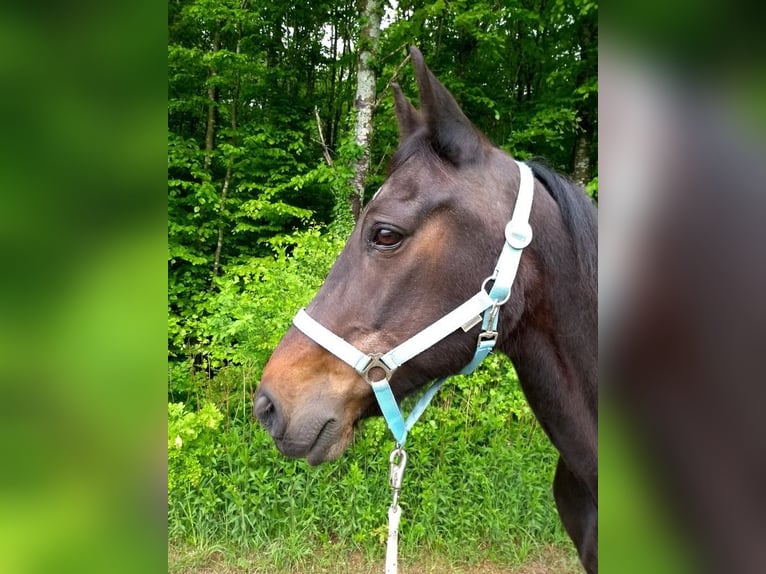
{"type": "Point", "coordinates": [191, 443]}
{"type": "Point", "coordinates": [248, 311]}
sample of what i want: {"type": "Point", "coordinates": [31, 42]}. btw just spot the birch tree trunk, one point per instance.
{"type": "Point", "coordinates": [586, 109]}
{"type": "Point", "coordinates": [219, 243]}
{"type": "Point", "coordinates": [369, 35]}
{"type": "Point", "coordinates": [581, 171]}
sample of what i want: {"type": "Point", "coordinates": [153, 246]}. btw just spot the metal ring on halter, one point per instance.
{"type": "Point", "coordinates": [376, 363]}
{"type": "Point", "coordinates": [493, 277]}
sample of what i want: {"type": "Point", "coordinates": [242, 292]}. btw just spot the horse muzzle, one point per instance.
{"type": "Point", "coordinates": [309, 401]}
{"type": "Point", "coordinates": [316, 434]}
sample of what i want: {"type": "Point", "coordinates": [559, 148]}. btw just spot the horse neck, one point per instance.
{"type": "Point", "coordinates": [553, 311]}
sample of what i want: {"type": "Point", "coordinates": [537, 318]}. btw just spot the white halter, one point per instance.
{"type": "Point", "coordinates": [482, 307]}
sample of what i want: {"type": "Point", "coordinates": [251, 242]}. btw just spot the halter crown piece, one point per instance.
{"type": "Point", "coordinates": [482, 307]}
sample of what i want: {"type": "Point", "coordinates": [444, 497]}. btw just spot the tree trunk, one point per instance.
{"type": "Point", "coordinates": [219, 243]}
{"type": "Point", "coordinates": [581, 171]}
{"type": "Point", "coordinates": [365, 98]}
{"type": "Point", "coordinates": [585, 106]}
{"type": "Point", "coordinates": [212, 97]}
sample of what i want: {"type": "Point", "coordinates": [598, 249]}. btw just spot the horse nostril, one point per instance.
{"type": "Point", "coordinates": [267, 413]}
{"type": "Point", "coordinates": [263, 409]}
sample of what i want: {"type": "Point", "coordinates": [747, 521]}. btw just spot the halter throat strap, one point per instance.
{"type": "Point", "coordinates": [483, 308]}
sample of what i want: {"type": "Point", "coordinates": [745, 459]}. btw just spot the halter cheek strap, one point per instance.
{"type": "Point", "coordinates": [482, 308]}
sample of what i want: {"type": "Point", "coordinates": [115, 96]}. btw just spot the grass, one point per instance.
{"type": "Point", "coordinates": [548, 559]}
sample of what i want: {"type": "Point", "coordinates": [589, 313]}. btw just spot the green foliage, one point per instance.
{"type": "Point", "coordinates": [592, 188]}
{"type": "Point", "coordinates": [251, 306]}
{"type": "Point", "coordinates": [525, 73]}
{"type": "Point", "coordinates": [256, 299]}
{"type": "Point", "coordinates": [191, 441]}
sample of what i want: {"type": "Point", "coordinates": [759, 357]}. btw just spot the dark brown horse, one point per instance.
{"type": "Point", "coordinates": [422, 247]}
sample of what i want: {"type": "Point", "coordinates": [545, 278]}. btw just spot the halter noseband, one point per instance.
{"type": "Point", "coordinates": [482, 307]}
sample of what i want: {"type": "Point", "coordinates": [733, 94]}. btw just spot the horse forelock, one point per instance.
{"type": "Point", "coordinates": [416, 144]}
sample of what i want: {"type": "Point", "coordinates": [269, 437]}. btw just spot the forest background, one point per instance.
{"type": "Point", "coordinates": [280, 124]}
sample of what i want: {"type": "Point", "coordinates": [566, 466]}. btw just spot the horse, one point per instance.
{"type": "Point", "coordinates": [422, 247]}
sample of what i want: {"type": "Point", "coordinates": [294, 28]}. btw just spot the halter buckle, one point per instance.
{"type": "Point", "coordinates": [376, 362]}
{"type": "Point", "coordinates": [486, 336]}
{"type": "Point", "coordinates": [489, 333]}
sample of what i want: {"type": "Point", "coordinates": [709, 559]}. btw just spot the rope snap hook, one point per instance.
{"type": "Point", "coordinates": [397, 460]}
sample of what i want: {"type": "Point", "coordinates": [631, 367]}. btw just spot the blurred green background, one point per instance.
{"type": "Point", "coordinates": [83, 289]}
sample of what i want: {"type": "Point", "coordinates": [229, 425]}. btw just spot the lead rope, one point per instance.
{"type": "Point", "coordinates": [398, 461]}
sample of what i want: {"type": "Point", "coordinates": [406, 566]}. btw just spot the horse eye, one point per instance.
{"type": "Point", "coordinates": [387, 238]}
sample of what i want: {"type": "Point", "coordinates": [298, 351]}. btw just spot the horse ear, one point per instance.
{"type": "Point", "coordinates": [452, 134]}
{"type": "Point", "coordinates": [408, 118]}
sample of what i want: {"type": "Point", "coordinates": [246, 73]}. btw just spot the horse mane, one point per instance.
{"type": "Point", "coordinates": [579, 215]}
